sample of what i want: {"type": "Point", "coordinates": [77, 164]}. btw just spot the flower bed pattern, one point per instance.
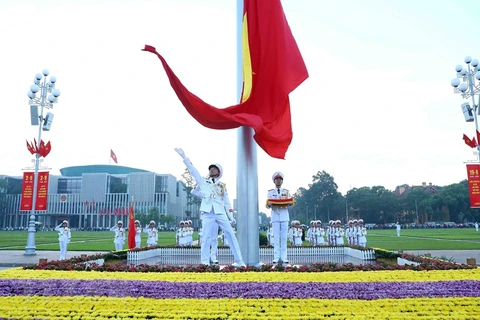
{"type": "Point", "coordinates": [79, 289]}
{"type": "Point", "coordinates": [401, 294]}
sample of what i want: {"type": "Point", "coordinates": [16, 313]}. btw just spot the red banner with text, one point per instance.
{"type": "Point", "coordinates": [42, 191]}
{"type": "Point", "coordinates": [27, 191]}
{"type": "Point", "coordinates": [473, 173]}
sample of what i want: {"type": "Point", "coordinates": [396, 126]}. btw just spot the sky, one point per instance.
{"type": "Point", "coordinates": [377, 109]}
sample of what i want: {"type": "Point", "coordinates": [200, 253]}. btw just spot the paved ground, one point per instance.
{"type": "Point", "coordinates": [16, 258]}
{"type": "Point", "coordinates": [459, 256]}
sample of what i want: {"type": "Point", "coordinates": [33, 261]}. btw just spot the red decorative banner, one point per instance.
{"type": "Point", "coordinates": [42, 191]}
{"type": "Point", "coordinates": [473, 173]}
{"type": "Point", "coordinates": [27, 191]}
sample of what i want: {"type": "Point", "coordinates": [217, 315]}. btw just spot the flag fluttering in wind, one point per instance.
{"type": "Point", "coordinates": [113, 156]}
{"type": "Point", "coordinates": [272, 68]}
{"type": "Point", "coordinates": [43, 150]}
{"type": "Point", "coordinates": [471, 143]}
{"type": "Point", "coordinates": [131, 228]}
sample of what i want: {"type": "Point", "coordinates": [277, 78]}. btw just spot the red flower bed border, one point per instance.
{"type": "Point", "coordinates": [84, 264]}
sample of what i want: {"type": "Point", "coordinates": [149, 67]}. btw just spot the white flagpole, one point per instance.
{"type": "Point", "coordinates": [247, 172]}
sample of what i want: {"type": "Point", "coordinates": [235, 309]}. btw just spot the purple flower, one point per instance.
{"type": "Point", "coordinates": [253, 290]}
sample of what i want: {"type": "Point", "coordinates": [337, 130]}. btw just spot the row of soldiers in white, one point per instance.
{"type": "Point", "coordinates": [334, 235]}
{"type": "Point", "coordinates": [120, 234]}
{"type": "Point", "coordinates": [184, 237]}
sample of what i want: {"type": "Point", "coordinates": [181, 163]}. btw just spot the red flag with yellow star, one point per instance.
{"type": "Point", "coordinates": [272, 68]}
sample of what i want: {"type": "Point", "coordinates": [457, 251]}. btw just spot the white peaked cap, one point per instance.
{"type": "Point", "coordinates": [277, 174]}
{"type": "Point", "coordinates": [219, 167]}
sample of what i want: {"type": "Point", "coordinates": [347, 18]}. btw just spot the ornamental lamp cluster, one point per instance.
{"type": "Point", "coordinates": [43, 88]}
{"type": "Point", "coordinates": [467, 84]}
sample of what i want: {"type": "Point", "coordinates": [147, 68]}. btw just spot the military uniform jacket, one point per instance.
{"type": "Point", "coordinates": [64, 233]}
{"type": "Point", "coordinates": [152, 235]}
{"type": "Point", "coordinates": [279, 212]}
{"type": "Point", "coordinates": [138, 234]}
{"type": "Point", "coordinates": [119, 235]}
{"type": "Point", "coordinates": [213, 193]}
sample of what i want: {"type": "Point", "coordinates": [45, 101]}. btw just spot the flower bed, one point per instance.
{"type": "Point", "coordinates": [80, 289]}
{"type": "Point", "coordinates": [442, 294]}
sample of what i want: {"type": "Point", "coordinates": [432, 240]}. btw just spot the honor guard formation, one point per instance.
{"type": "Point", "coordinates": [217, 215]}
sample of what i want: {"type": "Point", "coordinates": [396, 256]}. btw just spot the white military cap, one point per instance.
{"type": "Point", "coordinates": [120, 222]}
{"type": "Point", "coordinates": [277, 174]}
{"type": "Point", "coordinates": [65, 221]}
{"type": "Point", "coordinates": [219, 167]}
{"type": "Point", "coordinates": [152, 222]}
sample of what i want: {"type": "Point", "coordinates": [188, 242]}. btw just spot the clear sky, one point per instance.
{"type": "Point", "coordinates": [377, 109]}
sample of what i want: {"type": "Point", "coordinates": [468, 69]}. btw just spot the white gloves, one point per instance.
{"type": "Point", "coordinates": [233, 221]}
{"type": "Point", "coordinates": [180, 152]}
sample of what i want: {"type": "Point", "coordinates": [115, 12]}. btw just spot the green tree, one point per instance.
{"type": "Point", "coordinates": [373, 205]}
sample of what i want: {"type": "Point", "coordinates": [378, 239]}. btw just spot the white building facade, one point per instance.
{"type": "Point", "coordinates": [97, 196]}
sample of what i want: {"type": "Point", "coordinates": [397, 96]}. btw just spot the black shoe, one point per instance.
{"type": "Point", "coordinates": [274, 261]}
{"type": "Point", "coordinates": [215, 262]}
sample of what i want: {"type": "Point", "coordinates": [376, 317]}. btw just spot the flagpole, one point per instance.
{"type": "Point", "coordinates": [247, 172]}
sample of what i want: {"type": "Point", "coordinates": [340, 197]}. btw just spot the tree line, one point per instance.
{"type": "Point", "coordinates": [321, 200]}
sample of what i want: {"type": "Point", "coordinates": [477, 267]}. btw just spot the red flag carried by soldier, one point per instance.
{"type": "Point", "coordinates": [131, 228]}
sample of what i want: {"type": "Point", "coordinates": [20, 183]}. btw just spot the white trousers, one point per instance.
{"type": "Point", "coordinates": [63, 250]}
{"type": "Point", "coordinates": [137, 243]}
{"type": "Point", "coordinates": [280, 232]}
{"type": "Point", "coordinates": [118, 246]}
{"type": "Point", "coordinates": [209, 220]}
{"type": "Point", "coordinates": [214, 243]}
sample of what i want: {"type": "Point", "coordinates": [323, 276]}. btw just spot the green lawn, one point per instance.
{"type": "Point", "coordinates": [410, 239]}
{"type": "Point", "coordinates": [425, 239]}
{"type": "Point", "coordinates": [81, 241]}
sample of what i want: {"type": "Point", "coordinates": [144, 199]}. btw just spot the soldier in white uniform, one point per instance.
{"type": "Point", "coordinates": [279, 217]}
{"type": "Point", "coordinates": [152, 232]}
{"type": "Point", "coordinates": [311, 234]}
{"type": "Point", "coordinates": [362, 234]}
{"type": "Point", "coordinates": [214, 237]}
{"type": "Point", "coordinates": [215, 207]}
{"type": "Point", "coordinates": [64, 236]}
{"type": "Point", "coordinates": [119, 238]}
{"type": "Point", "coordinates": [350, 232]}
{"type": "Point", "coordinates": [297, 234]}
{"type": "Point", "coordinates": [138, 233]}
{"type": "Point", "coordinates": [398, 229]}
{"type": "Point", "coordinates": [339, 233]}
{"type": "Point", "coordinates": [319, 233]}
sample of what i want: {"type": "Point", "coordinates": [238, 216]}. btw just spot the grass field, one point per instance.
{"type": "Point", "coordinates": [410, 239]}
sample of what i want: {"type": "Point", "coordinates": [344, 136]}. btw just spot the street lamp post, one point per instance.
{"type": "Point", "coordinates": [43, 87]}
{"type": "Point", "coordinates": [466, 85]}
